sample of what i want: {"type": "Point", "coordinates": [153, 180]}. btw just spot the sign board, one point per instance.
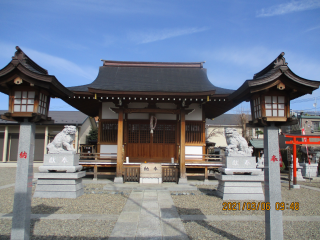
{"type": "Point", "coordinates": [150, 170]}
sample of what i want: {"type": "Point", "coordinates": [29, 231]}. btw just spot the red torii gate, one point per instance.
{"type": "Point", "coordinates": [294, 143]}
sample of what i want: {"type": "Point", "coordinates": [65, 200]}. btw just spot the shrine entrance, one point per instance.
{"type": "Point", "coordinates": [143, 146]}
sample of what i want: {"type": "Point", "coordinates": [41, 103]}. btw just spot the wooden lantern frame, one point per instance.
{"type": "Point", "coordinates": [40, 107]}
{"type": "Point", "coordinates": [275, 110]}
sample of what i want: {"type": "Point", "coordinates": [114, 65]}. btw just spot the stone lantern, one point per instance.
{"type": "Point", "coordinates": [30, 88]}
{"type": "Point", "coordinates": [269, 93]}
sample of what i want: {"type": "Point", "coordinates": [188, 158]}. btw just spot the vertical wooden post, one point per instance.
{"type": "Point", "coordinates": [46, 134]}
{"type": "Point", "coordinates": [5, 144]}
{"type": "Point", "coordinates": [120, 143]}
{"type": "Point", "coordinates": [182, 143]}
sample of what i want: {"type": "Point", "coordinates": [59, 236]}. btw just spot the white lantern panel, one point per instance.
{"type": "Point", "coordinates": [24, 94]}
{"type": "Point", "coordinates": [268, 99]}
{"type": "Point", "coordinates": [16, 108]}
{"type": "Point", "coordinates": [31, 94]}
{"type": "Point", "coordinates": [17, 94]}
{"type": "Point", "coordinates": [30, 101]}
{"type": "Point", "coordinates": [281, 99]}
{"type": "Point", "coordinates": [268, 113]}
{"type": "Point", "coordinates": [274, 106]}
{"type": "Point", "coordinates": [24, 101]}
{"type": "Point", "coordinates": [274, 99]}
{"type": "Point", "coordinates": [281, 113]}
{"type": "Point", "coordinates": [23, 108]}
{"type": "Point", "coordinates": [29, 108]}
{"type": "Point", "coordinates": [275, 113]}
{"type": "Point", "coordinates": [281, 106]}
{"type": "Point", "coordinates": [268, 106]}
{"type": "Point", "coordinates": [17, 101]}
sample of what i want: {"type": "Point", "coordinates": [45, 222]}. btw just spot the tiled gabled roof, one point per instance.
{"type": "Point", "coordinates": [59, 117]}
{"type": "Point", "coordinates": [152, 77]}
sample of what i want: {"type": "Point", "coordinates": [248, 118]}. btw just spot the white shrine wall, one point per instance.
{"type": "Point", "coordinates": [196, 115]}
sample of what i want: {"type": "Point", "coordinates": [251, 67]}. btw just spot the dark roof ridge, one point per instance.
{"type": "Point", "coordinates": [152, 64]}
{"type": "Point", "coordinates": [279, 61]}
{"type": "Point", "coordinates": [28, 62]}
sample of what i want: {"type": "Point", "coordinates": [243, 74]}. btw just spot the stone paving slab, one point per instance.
{"type": "Point", "coordinates": [149, 220]}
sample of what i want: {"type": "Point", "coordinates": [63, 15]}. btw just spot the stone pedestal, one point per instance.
{"type": "Point", "coordinates": [59, 185]}
{"type": "Point", "coordinates": [240, 187]}
{"type": "Point", "coordinates": [299, 173]}
{"type": "Point", "coordinates": [59, 176]}
{"type": "Point", "coordinates": [150, 173]}
{"type": "Point", "coordinates": [309, 170]}
{"type": "Point", "coordinates": [239, 179]}
{"type": "Point", "coordinates": [62, 162]}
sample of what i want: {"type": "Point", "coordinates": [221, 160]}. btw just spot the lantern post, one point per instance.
{"type": "Point", "coordinates": [29, 88]}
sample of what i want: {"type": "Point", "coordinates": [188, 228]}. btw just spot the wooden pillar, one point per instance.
{"type": "Point", "coordinates": [5, 144]}
{"type": "Point", "coordinates": [120, 143]}
{"type": "Point", "coordinates": [182, 143]}
{"type": "Point", "coordinates": [46, 134]}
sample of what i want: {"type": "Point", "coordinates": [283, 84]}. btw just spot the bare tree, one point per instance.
{"type": "Point", "coordinates": [213, 132]}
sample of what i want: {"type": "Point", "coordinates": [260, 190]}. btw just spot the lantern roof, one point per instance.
{"type": "Point", "coordinates": [275, 73]}
{"type": "Point", "coordinates": [24, 67]}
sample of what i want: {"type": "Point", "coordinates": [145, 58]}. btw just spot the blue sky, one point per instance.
{"type": "Point", "coordinates": [236, 38]}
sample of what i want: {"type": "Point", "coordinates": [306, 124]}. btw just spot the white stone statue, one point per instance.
{"type": "Point", "coordinates": [62, 143]}
{"type": "Point", "coordinates": [237, 145]}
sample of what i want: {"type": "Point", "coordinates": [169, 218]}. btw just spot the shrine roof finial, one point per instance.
{"type": "Point", "coordinates": [278, 62]}
{"type": "Point", "coordinates": [28, 62]}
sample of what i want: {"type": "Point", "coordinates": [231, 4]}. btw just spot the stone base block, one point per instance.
{"type": "Point", "coordinates": [118, 180]}
{"type": "Point", "coordinates": [183, 181]}
{"type": "Point", "coordinates": [246, 162]}
{"type": "Point", "coordinates": [299, 174]}
{"type": "Point", "coordinates": [59, 194]}
{"type": "Point", "coordinates": [59, 185]}
{"type": "Point", "coordinates": [241, 178]}
{"type": "Point", "coordinates": [231, 171]}
{"type": "Point", "coordinates": [151, 180]}
{"type": "Point", "coordinates": [61, 159]}
{"type": "Point", "coordinates": [68, 169]}
{"type": "Point", "coordinates": [295, 186]}
{"type": "Point", "coordinates": [240, 187]}
{"type": "Point", "coordinates": [309, 170]}
{"type": "Point", "coordinates": [59, 175]}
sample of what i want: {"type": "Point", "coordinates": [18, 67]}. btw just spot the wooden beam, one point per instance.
{"type": "Point", "coordinates": [120, 143]}
{"type": "Point", "coordinates": [182, 143]}
{"type": "Point", "coordinates": [151, 110]}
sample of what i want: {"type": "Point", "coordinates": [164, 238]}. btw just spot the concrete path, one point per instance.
{"type": "Point", "coordinates": [149, 214]}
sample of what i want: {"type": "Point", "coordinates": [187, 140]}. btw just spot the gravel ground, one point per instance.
{"type": "Point", "coordinates": [8, 175]}
{"type": "Point", "coordinates": [249, 230]}
{"type": "Point", "coordinates": [205, 201]}
{"type": "Point", "coordinates": [311, 184]}
{"type": "Point", "coordinates": [63, 229]}
{"type": "Point", "coordinates": [94, 201]}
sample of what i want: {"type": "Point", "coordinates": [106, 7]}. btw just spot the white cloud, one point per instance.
{"type": "Point", "coordinates": [55, 65]}
{"type": "Point", "coordinates": [252, 58]}
{"type": "Point", "coordinates": [313, 28]}
{"type": "Point", "coordinates": [293, 6]}
{"type": "Point", "coordinates": [158, 35]}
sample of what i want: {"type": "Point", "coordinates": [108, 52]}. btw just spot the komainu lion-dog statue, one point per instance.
{"type": "Point", "coordinates": [237, 145]}
{"type": "Point", "coordinates": [62, 143]}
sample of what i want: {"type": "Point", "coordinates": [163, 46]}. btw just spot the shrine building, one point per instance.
{"type": "Point", "coordinates": [155, 112]}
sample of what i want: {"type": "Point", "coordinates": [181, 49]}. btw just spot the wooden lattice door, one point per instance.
{"type": "Point", "coordinates": [157, 147]}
